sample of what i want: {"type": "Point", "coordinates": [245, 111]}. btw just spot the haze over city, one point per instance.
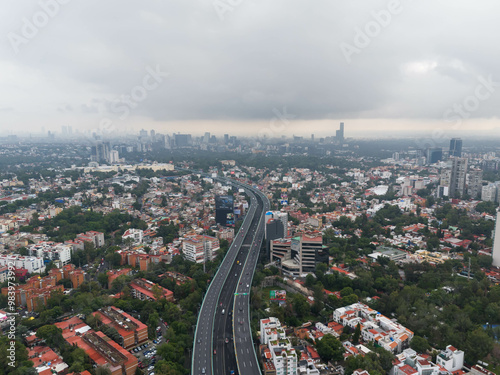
{"type": "Point", "coordinates": [386, 68]}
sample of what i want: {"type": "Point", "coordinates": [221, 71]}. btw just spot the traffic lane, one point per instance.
{"type": "Point", "coordinates": [238, 242]}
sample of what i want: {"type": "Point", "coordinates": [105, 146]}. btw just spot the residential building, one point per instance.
{"type": "Point", "coordinates": [451, 358]}
{"type": "Point", "coordinates": [132, 331]}
{"type": "Point", "coordinates": [136, 235]}
{"type": "Point", "coordinates": [270, 329]}
{"type": "Point", "coordinates": [101, 350]}
{"type": "Point", "coordinates": [4, 273]}
{"type": "Point", "coordinates": [458, 177]}
{"type": "Point", "coordinates": [51, 251]}
{"type": "Point", "coordinates": [97, 238]}
{"type": "Point", "coordinates": [29, 263]}
{"type": "Point", "coordinates": [46, 361]}
{"type": "Point", "coordinates": [496, 242]}
{"type": "Point", "coordinates": [114, 274]}
{"type": "Point", "coordinates": [489, 192]}
{"type": "Point", "coordinates": [146, 290]}
{"type": "Point", "coordinates": [475, 182]}
{"type": "Point", "coordinates": [35, 292]}
{"type": "Point", "coordinates": [200, 248]}
{"type": "Point", "coordinates": [281, 353]}
{"type": "Point", "coordinates": [375, 327]}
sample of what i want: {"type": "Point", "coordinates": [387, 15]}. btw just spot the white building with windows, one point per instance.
{"type": "Point", "coordinates": [375, 327]}
{"type": "Point", "coordinates": [283, 356]}
{"type": "Point", "coordinates": [51, 251]}
{"type": "Point", "coordinates": [135, 234]}
{"type": "Point", "coordinates": [200, 248]}
{"type": "Point", "coordinates": [31, 264]}
{"type": "Point", "coordinates": [451, 358]}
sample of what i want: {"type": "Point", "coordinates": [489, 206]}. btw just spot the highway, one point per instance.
{"type": "Point", "coordinates": [214, 347]}
{"type": "Point", "coordinates": [247, 362]}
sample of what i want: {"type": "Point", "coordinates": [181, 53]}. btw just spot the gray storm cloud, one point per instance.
{"type": "Point", "coordinates": [77, 61]}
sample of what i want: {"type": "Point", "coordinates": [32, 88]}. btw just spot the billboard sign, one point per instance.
{"type": "Point", "coordinates": [277, 295]}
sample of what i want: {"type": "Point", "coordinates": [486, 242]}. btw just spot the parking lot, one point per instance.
{"type": "Point", "coordinates": [146, 354]}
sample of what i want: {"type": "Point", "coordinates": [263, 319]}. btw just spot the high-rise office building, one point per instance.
{"type": "Point", "coordinates": [339, 134]}
{"type": "Point", "coordinates": [226, 139]}
{"type": "Point", "coordinates": [100, 152]}
{"type": "Point", "coordinates": [224, 210]}
{"type": "Point", "coordinates": [434, 155]}
{"type": "Point", "coordinates": [456, 147]}
{"type": "Point", "coordinates": [458, 176]}
{"type": "Point", "coordinates": [182, 140]}
{"type": "Point", "coordinates": [113, 157]}
{"type": "Point", "coordinates": [206, 137]}
{"type": "Point", "coordinates": [307, 250]}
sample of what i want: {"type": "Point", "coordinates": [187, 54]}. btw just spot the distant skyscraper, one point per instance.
{"type": "Point", "coordinates": [339, 134]}
{"type": "Point", "coordinates": [456, 147]}
{"type": "Point", "coordinates": [143, 133]}
{"type": "Point", "coordinates": [113, 156]}
{"type": "Point", "coordinates": [434, 155]}
{"type": "Point", "coordinates": [100, 152]}
{"type": "Point", "coordinates": [226, 139]}
{"type": "Point", "coordinates": [152, 134]}
{"type": "Point", "coordinates": [206, 137]}
{"type": "Point", "coordinates": [458, 177]}
{"type": "Point", "coordinates": [182, 140]}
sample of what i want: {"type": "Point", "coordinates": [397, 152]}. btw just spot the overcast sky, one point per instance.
{"type": "Point", "coordinates": [254, 67]}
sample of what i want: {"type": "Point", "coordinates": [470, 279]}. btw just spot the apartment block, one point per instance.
{"type": "Point", "coordinates": [280, 352]}
{"type": "Point", "coordinates": [136, 235]}
{"type": "Point", "coordinates": [132, 331]}
{"type": "Point", "coordinates": [200, 248]}
{"type": "Point", "coordinates": [101, 349]}
{"type": "Point", "coordinates": [474, 182]}
{"type": "Point", "coordinates": [35, 292]}
{"type": "Point", "coordinates": [114, 274]}
{"type": "Point", "coordinates": [375, 327]}
{"type": "Point", "coordinates": [30, 264]}
{"type": "Point", "coordinates": [409, 362]}
{"type": "Point", "coordinates": [51, 251]}
{"type": "Point", "coordinates": [146, 290]}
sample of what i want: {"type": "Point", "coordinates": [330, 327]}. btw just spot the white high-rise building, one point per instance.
{"type": "Point", "coordinates": [489, 192]}
{"type": "Point", "coordinates": [113, 156]}
{"type": "Point", "coordinates": [496, 243]}
{"type": "Point", "coordinates": [200, 248]}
